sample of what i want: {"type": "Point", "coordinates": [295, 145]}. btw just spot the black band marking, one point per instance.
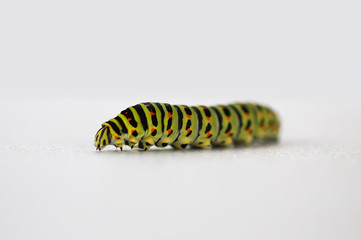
{"type": "Point", "coordinates": [115, 127]}
{"type": "Point", "coordinates": [162, 114]}
{"type": "Point", "coordinates": [143, 118]}
{"type": "Point", "coordinates": [120, 121]}
{"type": "Point", "coordinates": [180, 118]}
{"type": "Point", "coordinates": [129, 114]}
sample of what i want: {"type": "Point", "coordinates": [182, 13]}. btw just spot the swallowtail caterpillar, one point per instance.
{"type": "Point", "coordinates": [163, 124]}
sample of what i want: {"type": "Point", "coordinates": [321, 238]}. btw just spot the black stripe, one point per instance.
{"type": "Point", "coordinates": [180, 118]}
{"type": "Point", "coordinates": [154, 132]}
{"type": "Point", "coordinates": [240, 120]}
{"type": "Point", "coordinates": [162, 114]}
{"type": "Point", "coordinates": [187, 110]}
{"type": "Point", "coordinates": [189, 123]}
{"type": "Point", "coordinates": [115, 127]}
{"type": "Point", "coordinates": [207, 112]}
{"type": "Point", "coordinates": [220, 120]}
{"type": "Point", "coordinates": [143, 118]}
{"type": "Point", "coordinates": [155, 120]}
{"type": "Point", "coordinates": [200, 121]}
{"type": "Point", "coordinates": [169, 123]}
{"type": "Point", "coordinates": [129, 114]}
{"type": "Point", "coordinates": [248, 124]}
{"type": "Point", "coordinates": [245, 108]}
{"type": "Point", "coordinates": [151, 109]}
{"type": "Point", "coordinates": [229, 127]}
{"type": "Point", "coordinates": [168, 107]}
{"type": "Point", "coordinates": [109, 136]}
{"type": "Point", "coordinates": [208, 128]}
{"type": "Point", "coordinates": [226, 111]}
{"type": "Point", "coordinates": [101, 135]}
{"type": "Point", "coordinates": [97, 136]}
{"type": "Point", "coordinates": [120, 121]}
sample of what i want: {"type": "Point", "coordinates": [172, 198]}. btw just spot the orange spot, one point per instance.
{"type": "Point", "coordinates": [204, 108]}
{"type": "Point", "coordinates": [115, 137]}
{"type": "Point", "coordinates": [152, 113]}
{"type": "Point", "coordinates": [246, 114]}
{"type": "Point", "coordinates": [131, 131]}
{"type": "Point", "coordinates": [228, 118]}
{"type": "Point", "coordinates": [208, 134]}
{"type": "Point", "coordinates": [129, 119]}
{"type": "Point", "coordinates": [229, 133]}
{"type": "Point", "coordinates": [152, 130]}
{"type": "Point", "coordinates": [263, 127]}
{"type": "Point", "coordinates": [208, 118]}
{"type": "Point", "coordinates": [147, 105]}
{"type": "Point", "coordinates": [185, 106]}
{"type": "Point", "coordinates": [249, 130]}
{"type": "Point", "coordinates": [169, 131]}
{"type": "Point", "coordinates": [126, 112]}
{"type": "Point", "coordinates": [188, 130]}
{"type": "Point", "coordinates": [188, 116]}
{"type": "Point", "coordinates": [167, 104]}
{"type": "Point", "coordinates": [223, 107]}
{"type": "Point", "coordinates": [169, 115]}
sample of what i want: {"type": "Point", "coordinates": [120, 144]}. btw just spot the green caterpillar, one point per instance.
{"type": "Point", "coordinates": [162, 124]}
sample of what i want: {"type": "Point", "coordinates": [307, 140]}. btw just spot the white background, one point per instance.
{"type": "Point", "coordinates": [68, 66]}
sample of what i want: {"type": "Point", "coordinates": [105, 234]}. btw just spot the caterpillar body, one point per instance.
{"type": "Point", "coordinates": [163, 124]}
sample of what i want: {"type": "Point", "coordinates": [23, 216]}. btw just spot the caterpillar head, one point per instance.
{"type": "Point", "coordinates": [107, 136]}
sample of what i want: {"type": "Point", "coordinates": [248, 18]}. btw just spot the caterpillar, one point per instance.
{"type": "Point", "coordinates": [162, 124]}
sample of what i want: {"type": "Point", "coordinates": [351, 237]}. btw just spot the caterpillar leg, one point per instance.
{"type": "Point", "coordinates": [202, 143]}
{"type": "Point", "coordinates": [162, 144]}
{"type": "Point", "coordinates": [223, 142]}
{"type": "Point", "coordinates": [246, 141]}
{"type": "Point", "coordinates": [131, 142]}
{"type": "Point", "coordinates": [178, 145]}
{"type": "Point", "coordinates": [164, 141]}
{"type": "Point", "coordinates": [146, 143]}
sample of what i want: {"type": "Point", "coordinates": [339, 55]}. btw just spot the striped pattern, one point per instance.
{"type": "Point", "coordinates": [162, 124]}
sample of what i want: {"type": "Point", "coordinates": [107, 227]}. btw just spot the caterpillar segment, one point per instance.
{"type": "Point", "coordinates": [162, 124]}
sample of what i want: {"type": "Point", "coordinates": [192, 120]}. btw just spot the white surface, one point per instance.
{"type": "Point", "coordinates": [55, 185]}
{"type": "Point", "coordinates": [67, 66]}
